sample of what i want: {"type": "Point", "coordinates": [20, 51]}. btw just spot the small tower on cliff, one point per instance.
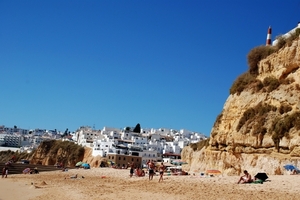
{"type": "Point", "coordinates": [268, 42]}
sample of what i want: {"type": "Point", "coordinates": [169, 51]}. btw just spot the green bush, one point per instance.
{"type": "Point", "coordinates": [271, 83]}
{"type": "Point", "coordinates": [256, 55]}
{"type": "Point", "coordinates": [281, 127]}
{"type": "Point", "coordinates": [199, 145]}
{"type": "Point", "coordinates": [281, 42]}
{"type": "Point", "coordinates": [292, 36]}
{"type": "Point", "coordinates": [242, 82]}
{"type": "Point", "coordinates": [256, 114]}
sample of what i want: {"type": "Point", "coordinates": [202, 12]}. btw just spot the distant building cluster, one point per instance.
{"type": "Point", "coordinates": [150, 144]}
{"type": "Point", "coordinates": [24, 139]}
{"type": "Point", "coordinates": [119, 146]}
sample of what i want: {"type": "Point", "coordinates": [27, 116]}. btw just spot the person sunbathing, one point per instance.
{"type": "Point", "coordinates": [139, 172]}
{"type": "Point", "coordinates": [246, 178]}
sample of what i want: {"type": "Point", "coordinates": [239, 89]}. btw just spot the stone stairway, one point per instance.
{"type": "Point", "coordinates": [17, 168]}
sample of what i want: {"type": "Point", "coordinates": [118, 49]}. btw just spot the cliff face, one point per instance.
{"type": "Point", "coordinates": [51, 152]}
{"type": "Point", "coordinates": [258, 129]}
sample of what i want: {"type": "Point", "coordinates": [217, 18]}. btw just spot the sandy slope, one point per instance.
{"type": "Point", "coordinates": [108, 183]}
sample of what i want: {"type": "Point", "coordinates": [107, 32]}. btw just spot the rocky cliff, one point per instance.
{"type": "Point", "coordinates": [53, 151]}
{"type": "Point", "coordinates": [259, 126]}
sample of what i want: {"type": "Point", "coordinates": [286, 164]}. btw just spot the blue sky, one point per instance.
{"type": "Point", "coordinates": [116, 63]}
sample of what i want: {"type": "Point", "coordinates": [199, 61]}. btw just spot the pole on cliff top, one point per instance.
{"type": "Point", "coordinates": [268, 42]}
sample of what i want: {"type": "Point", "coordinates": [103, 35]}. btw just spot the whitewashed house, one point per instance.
{"type": "Point", "coordinates": [102, 147]}
{"type": "Point", "coordinates": [288, 34]}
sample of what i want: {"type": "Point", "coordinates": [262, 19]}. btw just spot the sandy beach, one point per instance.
{"type": "Point", "coordinates": [108, 183]}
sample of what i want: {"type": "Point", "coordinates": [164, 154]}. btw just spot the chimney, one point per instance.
{"type": "Point", "coordinates": [268, 42]}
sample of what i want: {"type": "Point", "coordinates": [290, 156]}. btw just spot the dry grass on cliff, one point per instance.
{"type": "Point", "coordinates": [59, 151]}
{"type": "Point", "coordinates": [199, 145]}
{"type": "Point", "coordinates": [256, 55]}
{"type": "Point", "coordinates": [7, 155]}
{"type": "Point", "coordinates": [287, 41]}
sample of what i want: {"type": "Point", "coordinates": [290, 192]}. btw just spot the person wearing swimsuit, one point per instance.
{"type": "Point", "coordinates": [246, 178]}
{"type": "Point", "coordinates": [161, 172]}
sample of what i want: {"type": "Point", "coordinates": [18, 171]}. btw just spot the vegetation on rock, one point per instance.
{"type": "Point", "coordinates": [243, 82]}
{"type": "Point", "coordinates": [281, 127]}
{"type": "Point", "coordinates": [271, 83]}
{"type": "Point", "coordinates": [287, 41]}
{"type": "Point", "coordinates": [256, 55]}
{"type": "Point", "coordinates": [7, 155]}
{"type": "Point", "coordinates": [62, 151]}
{"type": "Point", "coordinates": [256, 114]}
{"type": "Point", "coordinates": [199, 145]}
{"type": "Point", "coordinates": [248, 79]}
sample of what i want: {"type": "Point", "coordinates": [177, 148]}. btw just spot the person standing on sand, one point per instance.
{"type": "Point", "coordinates": [131, 169]}
{"type": "Point", "coordinates": [151, 169]}
{"type": "Point", "coordinates": [3, 171]}
{"type": "Point", "coordinates": [6, 172]}
{"type": "Point", "coordinates": [161, 172]}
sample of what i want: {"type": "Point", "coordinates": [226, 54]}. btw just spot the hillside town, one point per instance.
{"type": "Point", "coordinates": [117, 145]}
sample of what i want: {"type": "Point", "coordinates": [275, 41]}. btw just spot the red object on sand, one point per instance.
{"type": "Point", "coordinates": [213, 171]}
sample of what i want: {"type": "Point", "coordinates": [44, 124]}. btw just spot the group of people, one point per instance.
{"type": "Point", "coordinates": [135, 170]}
{"type": "Point", "coordinates": [151, 170]}
{"type": "Point", "coordinates": [161, 169]}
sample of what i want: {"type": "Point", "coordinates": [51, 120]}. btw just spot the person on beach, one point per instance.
{"type": "Point", "coordinates": [161, 172]}
{"type": "Point", "coordinates": [246, 178]}
{"type": "Point", "coordinates": [131, 169]}
{"type": "Point", "coordinates": [151, 167]}
{"type": "Point", "coordinates": [4, 172]}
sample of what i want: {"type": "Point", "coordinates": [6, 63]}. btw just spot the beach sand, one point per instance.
{"type": "Point", "coordinates": [108, 184]}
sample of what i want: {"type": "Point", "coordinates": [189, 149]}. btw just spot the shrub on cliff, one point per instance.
{"type": "Point", "coordinates": [242, 82]}
{"type": "Point", "coordinates": [199, 145]}
{"type": "Point", "coordinates": [257, 54]}
{"type": "Point", "coordinates": [70, 152]}
{"type": "Point", "coordinates": [7, 155]}
{"type": "Point", "coordinates": [257, 114]}
{"type": "Point", "coordinates": [292, 36]}
{"type": "Point", "coordinates": [281, 127]}
{"type": "Point", "coordinates": [283, 41]}
{"type": "Point", "coordinates": [271, 83]}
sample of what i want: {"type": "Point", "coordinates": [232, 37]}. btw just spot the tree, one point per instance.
{"type": "Point", "coordinates": [127, 129]}
{"type": "Point", "coordinates": [137, 128]}
{"type": "Point", "coordinates": [66, 133]}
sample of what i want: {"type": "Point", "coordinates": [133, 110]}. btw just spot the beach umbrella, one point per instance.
{"type": "Point", "coordinates": [26, 170]}
{"type": "Point", "coordinates": [86, 165]}
{"type": "Point", "coordinates": [79, 164]}
{"type": "Point", "coordinates": [179, 162]}
{"type": "Point", "coordinates": [213, 171]}
{"type": "Point", "coordinates": [261, 176]}
{"type": "Point", "coordinates": [289, 167]}
{"type": "Point", "coordinates": [168, 165]}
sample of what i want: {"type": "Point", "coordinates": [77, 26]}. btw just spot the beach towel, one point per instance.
{"type": "Point", "coordinates": [258, 182]}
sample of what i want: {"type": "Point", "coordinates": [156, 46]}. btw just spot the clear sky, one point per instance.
{"type": "Point", "coordinates": [116, 63]}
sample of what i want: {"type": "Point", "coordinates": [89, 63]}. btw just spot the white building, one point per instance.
{"type": "Point", "coordinates": [102, 147]}
{"type": "Point", "coordinates": [12, 140]}
{"type": "Point", "coordinates": [85, 136]}
{"type": "Point", "coordinates": [288, 34]}
{"type": "Point", "coordinates": [171, 147]}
